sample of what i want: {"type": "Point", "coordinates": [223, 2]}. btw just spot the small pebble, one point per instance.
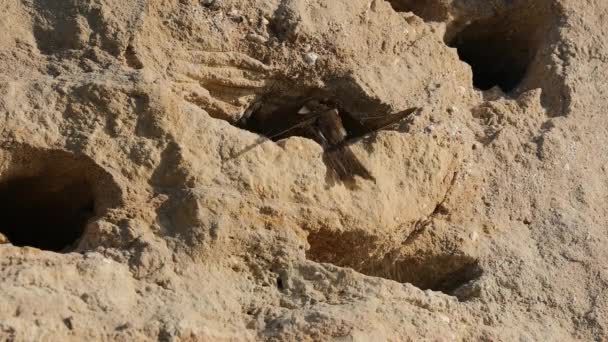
{"type": "Point", "coordinates": [474, 236]}
{"type": "Point", "coordinates": [311, 58]}
{"type": "Point", "coordinates": [212, 4]}
{"type": "Point", "coordinates": [256, 38]}
{"type": "Point", "coordinates": [235, 15]}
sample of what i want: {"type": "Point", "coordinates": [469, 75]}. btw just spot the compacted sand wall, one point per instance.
{"type": "Point", "coordinates": [303, 170]}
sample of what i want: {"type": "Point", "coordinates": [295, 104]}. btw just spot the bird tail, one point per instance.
{"type": "Point", "coordinates": [345, 164]}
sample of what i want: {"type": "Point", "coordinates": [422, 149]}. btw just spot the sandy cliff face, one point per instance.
{"type": "Point", "coordinates": [139, 202]}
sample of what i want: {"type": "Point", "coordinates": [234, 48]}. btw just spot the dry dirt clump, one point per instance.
{"type": "Point", "coordinates": [153, 186]}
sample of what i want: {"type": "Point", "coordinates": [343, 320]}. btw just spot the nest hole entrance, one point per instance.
{"type": "Point", "coordinates": [326, 122]}
{"type": "Point", "coordinates": [286, 117]}
{"type": "Point", "coordinates": [47, 199]}
{"type": "Point", "coordinates": [44, 212]}
{"type": "Point", "coordinates": [322, 121]}
{"type": "Point", "coordinates": [293, 117]}
{"type": "Point", "coordinates": [451, 273]}
{"type": "Point", "coordinates": [428, 10]}
{"type": "Point", "coordinates": [500, 49]}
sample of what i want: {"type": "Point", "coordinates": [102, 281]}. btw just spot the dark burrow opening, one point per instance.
{"type": "Point", "coordinates": [447, 273]}
{"type": "Point", "coordinates": [45, 212]}
{"type": "Point", "coordinates": [323, 120]}
{"type": "Point", "coordinates": [499, 49]}
{"type": "Point", "coordinates": [299, 116]}
{"type": "Point", "coordinates": [453, 273]}
{"type": "Point", "coordinates": [429, 10]}
{"type": "Point", "coordinates": [47, 198]}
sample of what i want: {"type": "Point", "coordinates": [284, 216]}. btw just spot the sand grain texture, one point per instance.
{"type": "Point", "coordinates": [485, 217]}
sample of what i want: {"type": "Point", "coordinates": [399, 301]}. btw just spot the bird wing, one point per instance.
{"type": "Point", "coordinates": [291, 124]}
{"type": "Point", "coordinates": [376, 123]}
{"type": "Point", "coordinates": [345, 164]}
{"type": "Point", "coordinates": [358, 127]}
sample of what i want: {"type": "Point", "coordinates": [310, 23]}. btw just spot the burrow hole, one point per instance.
{"type": "Point", "coordinates": [431, 269]}
{"type": "Point", "coordinates": [286, 116]}
{"type": "Point", "coordinates": [324, 119]}
{"type": "Point", "coordinates": [428, 10]}
{"type": "Point", "coordinates": [48, 197]}
{"type": "Point", "coordinates": [500, 49]}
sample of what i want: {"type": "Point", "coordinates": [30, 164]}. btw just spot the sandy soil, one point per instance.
{"type": "Point", "coordinates": [144, 195]}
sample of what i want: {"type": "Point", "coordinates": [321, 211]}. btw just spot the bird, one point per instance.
{"type": "Point", "coordinates": [322, 121]}
{"type": "Point", "coordinates": [329, 132]}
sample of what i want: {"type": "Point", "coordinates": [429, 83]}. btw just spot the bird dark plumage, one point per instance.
{"type": "Point", "coordinates": [323, 123]}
